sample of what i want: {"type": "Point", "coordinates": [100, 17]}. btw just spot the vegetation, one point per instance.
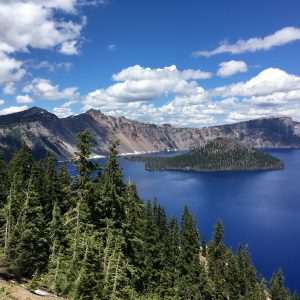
{"type": "Point", "coordinates": [221, 154]}
{"type": "Point", "coordinates": [92, 237]}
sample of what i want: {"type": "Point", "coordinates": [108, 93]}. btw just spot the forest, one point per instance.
{"type": "Point", "coordinates": [90, 236]}
{"type": "Point", "coordinates": [221, 154]}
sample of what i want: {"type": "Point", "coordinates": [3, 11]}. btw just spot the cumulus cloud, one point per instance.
{"type": "Point", "coordinates": [138, 73]}
{"type": "Point", "coordinates": [23, 99]}
{"type": "Point", "coordinates": [10, 69]}
{"type": "Point", "coordinates": [229, 68]}
{"type": "Point", "coordinates": [64, 110]}
{"type": "Point", "coordinates": [137, 84]}
{"type": "Point", "coordinates": [12, 109]}
{"type": "Point", "coordinates": [281, 37]}
{"type": "Point", "coordinates": [9, 89]}
{"type": "Point", "coordinates": [44, 89]}
{"type": "Point", "coordinates": [267, 82]}
{"type": "Point", "coordinates": [271, 92]}
{"type": "Point", "coordinates": [25, 24]}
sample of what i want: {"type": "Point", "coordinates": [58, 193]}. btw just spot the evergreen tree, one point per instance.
{"type": "Point", "coordinates": [170, 277]}
{"type": "Point", "coordinates": [277, 289]}
{"type": "Point", "coordinates": [21, 164]}
{"type": "Point", "coordinates": [217, 261]}
{"type": "Point", "coordinates": [50, 186]}
{"type": "Point", "coordinates": [89, 284]}
{"type": "Point", "coordinates": [151, 253]}
{"type": "Point", "coordinates": [109, 205]}
{"type": "Point", "coordinates": [189, 258]}
{"type": "Point", "coordinates": [3, 181]}
{"type": "Point", "coordinates": [64, 181]}
{"type": "Point", "coordinates": [31, 248]}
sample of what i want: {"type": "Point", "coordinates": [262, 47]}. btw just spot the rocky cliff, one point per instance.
{"type": "Point", "coordinates": [43, 131]}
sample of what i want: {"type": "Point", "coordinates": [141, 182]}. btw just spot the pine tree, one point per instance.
{"type": "Point", "coordinates": [277, 289]}
{"type": "Point", "coordinates": [64, 181]}
{"type": "Point", "coordinates": [170, 273]}
{"type": "Point", "coordinates": [81, 213]}
{"type": "Point", "coordinates": [51, 186]}
{"type": "Point", "coordinates": [21, 164]}
{"type": "Point", "coordinates": [3, 181]}
{"type": "Point", "coordinates": [189, 258]}
{"type": "Point", "coordinates": [109, 205]}
{"type": "Point", "coordinates": [31, 249]}
{"type": "Point", "coordinates": [89, 283]}
{"type": "Point", "coordinates": [217, 262]}
{"type": "Point", "coordinates": [57, 232]}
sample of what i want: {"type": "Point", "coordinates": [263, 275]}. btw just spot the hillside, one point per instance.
{"type": "Point", "coordinates": [43, 131]}
{"type": "Point", "coordinates": [221, 154]}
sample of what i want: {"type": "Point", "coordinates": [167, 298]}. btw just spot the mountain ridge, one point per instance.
{"type": "Point", "coordinates": [43, 131]}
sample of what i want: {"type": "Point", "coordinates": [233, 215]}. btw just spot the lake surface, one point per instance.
{"type": "Point", "coordinates": [260, 209]}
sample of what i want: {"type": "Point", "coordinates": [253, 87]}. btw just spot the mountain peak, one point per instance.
{"type": "Point", "coordinates": [93, 111]}
{"type": "Point", "coordinates": [32, 114]}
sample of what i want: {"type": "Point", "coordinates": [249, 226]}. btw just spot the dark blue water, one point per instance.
{"type": "Point", "coordinates": [261, 209]}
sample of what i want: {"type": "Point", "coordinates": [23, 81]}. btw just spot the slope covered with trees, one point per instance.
{"type": "Point", "coordinates": [92, 237]}
{"type": "Point", "coordinates": [221, 154]}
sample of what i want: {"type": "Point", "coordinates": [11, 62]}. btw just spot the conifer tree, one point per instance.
{"type": "Point", "coordinates": [21, 164]}
{"type": "Point", "coordinates": [170, 273]}
{"type": "Point", "coordinates": [50, 186]}
{"type": "Point", "coordinates": [217, 262]}
{"type": "Point", "coordinates": [64, 181]}
{"type": "Point", "coordinates": [3, 181]}
{"type": "Point", "coordinates": [31, 248]}
{"type": "Point", "coordinates": [109, 203]}
{"type": "Point", "coordinates": [277, 289]}
{"type": "Point", "coordinates": [89, 284]}
{"type": "Point", "coordinates": [189, 257]}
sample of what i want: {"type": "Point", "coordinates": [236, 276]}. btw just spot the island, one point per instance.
{"type": "Point", "coordinates": [220, 154]}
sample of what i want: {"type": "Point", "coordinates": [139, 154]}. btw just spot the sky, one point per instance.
{"type": "Point", "coordinates": [184, 62]}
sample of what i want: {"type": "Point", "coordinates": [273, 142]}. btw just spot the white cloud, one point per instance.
{"type": "Point", "coordinates": [12, 109]}
{"type": "Point", "coordinates": [139, 73]}
{"type": "Point", "coordinates": [271, 92]}
{"type": "Point", "coordinates": [44, 89]}
{"type": "Point", "coordinates": [64, 110]}
{"type": "Point", "coordinates": [33, 23]}
{"type": "Point", "coordinates": [69, 48]}
{"type": "Point", "coordinates": [23, 99]}
{"type": "Point", "coordinates": [50, 66]}
{"type": "Point", "coordinates": [281, 37]}
{"type": "Point", "coordinates": [2, 102]}
{"type": "Point", "coordinates": [9, 89]}
{"type": "Point", "coordinates": [141, 85]}
{"type": "Point", "coordinates": [229, 68]}
{"type": "Point", "coordinates": [267, 82]}
{"type": "Point", "coordinates": [112, 47]}
{"type": "Point", "coordinates": [10, 69]}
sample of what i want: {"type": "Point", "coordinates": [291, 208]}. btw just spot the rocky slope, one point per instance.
{"type": "Point", "coordinates": [44, 131]}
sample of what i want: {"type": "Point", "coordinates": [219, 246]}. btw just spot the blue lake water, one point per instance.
{"type": "Point", "coordinates": [260, 209]}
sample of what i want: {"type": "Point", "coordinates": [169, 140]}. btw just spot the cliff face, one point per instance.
{"type": "Point", "coordinates": [44, 131]}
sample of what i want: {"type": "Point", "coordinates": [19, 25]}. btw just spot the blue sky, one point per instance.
{"type": "Point", "coordinates": [191, 63]}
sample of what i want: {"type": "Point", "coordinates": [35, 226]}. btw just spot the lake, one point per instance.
{"type": "Point", "coordinates": [258, 208]}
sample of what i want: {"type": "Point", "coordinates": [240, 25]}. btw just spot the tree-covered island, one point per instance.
{"type": "Point", "coordinates": [221, 154]}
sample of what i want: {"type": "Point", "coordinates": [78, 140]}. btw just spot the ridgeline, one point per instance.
{"type": "Point", "coordinates": [221, 154]}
